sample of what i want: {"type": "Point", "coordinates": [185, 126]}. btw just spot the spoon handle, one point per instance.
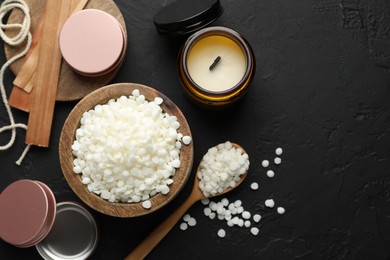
{"type": "Point", "coordinates": [151, 241]}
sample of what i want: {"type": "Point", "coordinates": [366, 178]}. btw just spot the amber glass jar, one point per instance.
{"type": "Point", "coordinates": [216, 67]}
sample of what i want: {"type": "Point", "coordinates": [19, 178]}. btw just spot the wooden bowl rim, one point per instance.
{"type": "Point", "coordinates": [71, 124]}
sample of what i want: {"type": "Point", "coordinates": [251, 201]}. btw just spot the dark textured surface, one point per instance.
{"type": "Point", "coordinates": [321, 92]}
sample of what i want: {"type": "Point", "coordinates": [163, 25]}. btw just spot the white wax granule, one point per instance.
{"type": "Point", "coordinates": [186, 140]}
{"type": "Point", "coordinates": [278, 151]}
{"type": "Point", "coordinates": [277, 160]}
{"type": "Point", "coordinates": [205, 201]}
{"type": "Point", "coordinates": [280, 210]}
{"type": "Point", "coordinates": [191, 222]}
{"type": "Point", "coordinates": [186, 217]}
{"type": "Point", "coordinates": [270, 173]}
{"type": "Point", "coordinates": [221, 168]}
{"type": "Point", "coordinates": [265, 163]}
{"type": "Point", "coordinates": [256, 218]}
{"type": "Point", "coordinates": [183, 226]}
{"type": "Point", "coordinates": [270, 203]}
{"type": "Point", "coordinates": [246, 215]}
{"type": "Point", "coordinates": [147, 204]}
{"type": "Point", "coordinates": [254, 185]}
{"type": "Point", "coordinates": [254, 231]}
{"type": "Point", "coordinates": [221, 233]}
{"type": "Point", "coordinates": [207, 211]}
{"type": "Point", "coordinates": [127, 149]}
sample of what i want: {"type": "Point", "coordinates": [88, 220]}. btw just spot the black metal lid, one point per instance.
{"type": "Point", "coordinates": [186, 16]}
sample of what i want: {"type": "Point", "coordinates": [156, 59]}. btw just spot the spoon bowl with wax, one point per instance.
{"type": "Point", "coordinates": [223, 168]}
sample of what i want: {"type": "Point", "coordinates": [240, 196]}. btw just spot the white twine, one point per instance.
{"type": "Point", "coordinates": [24, 32]}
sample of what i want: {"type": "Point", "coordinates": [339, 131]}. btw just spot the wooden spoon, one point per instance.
{"type": "Point", "coordinates": [151, 241]}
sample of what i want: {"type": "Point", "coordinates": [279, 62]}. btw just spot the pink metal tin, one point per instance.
{"type": "Point", "coordinates": [92, 42]}
{"type": "Point", "coordinates": [24, 209]}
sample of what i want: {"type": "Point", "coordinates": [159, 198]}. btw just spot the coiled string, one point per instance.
{"type": "Point", "coordinates": [24, 33]}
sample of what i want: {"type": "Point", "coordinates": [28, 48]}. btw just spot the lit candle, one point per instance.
{"type": "Point", "coordinates": [212, 73]}
{"type": "Point", "coordinates": [216, 66]}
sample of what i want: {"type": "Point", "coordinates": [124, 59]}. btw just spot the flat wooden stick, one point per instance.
{"type": "Point", "coordinates": [19, 99]}
{"type": "Point", "coordinates": [28, 68]}
{"type": "Point", "coordinates": [47, 74]}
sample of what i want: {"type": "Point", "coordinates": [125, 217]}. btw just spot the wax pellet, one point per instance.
{"type": "Point", "coordinates": [278, 151]}
{"type": "Point", "coordinates": [147, 204]}
{"type": "Point", "coordinates": [256, 218]}
{"type": "Point", "coordinates": [246, 215]}
{"type": "Point", "coordinates": [281, 210]}
{"type": "Point", "coordinates": [221, 233]}
{"type": "Point", "coordinates": [270, 173]}
{"type": "Point", "coordinates": [183, 226]}
{"type": "Point", "coordinates": [247, 223]}
{"type": "Point", "coordinates": [277, 160]}
{"type": "Point", "coordinates": [254, 231]}
{"type": "Point", "coordinates": [158, 100]}
{"type": "Point", "coordinates": [212, 215]}
{"type": "Point", "coordinates": [237, 203]}
{"type": "Point", "coordinates": [192, 222]}
{"type": "Point", "coordinates": [186, 140]}
{"type": "Point", "coordinates": [265, 163]}
{"type": "Point", "coordinates": [207, 211]}
{"type": "Point", "coordinates": [205, 201]}
{"type": "Point", "coordinates": [225, 202]}
{"type": "Point", "coordinates": [254, 185]}
{"type": "Point", "coordinates": [270, 203]}
{"type": "Point", "coordinates": [186, 217]}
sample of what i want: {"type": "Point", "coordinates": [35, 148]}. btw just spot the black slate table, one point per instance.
{"type": "Point", "coordinates": [321, 92]}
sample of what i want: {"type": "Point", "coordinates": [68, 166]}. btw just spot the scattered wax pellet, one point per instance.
{"type": "Point", "coordinates": [254, 231]}
{"type": "Point", "coordinates": [205, 201]}
{"type": "Point", "coordinates": [183, 226]}
{"type": "Point", "coordinates": [270, 173]}
{"type": "Point", "coordinates": [265, 163]}
{"type": "Point", "coordinates": [221, 233]}
{"type": "Point", "coordinates": [237, 203]}
{"type": "Point", "coordinates": [256, 218]}
{"type": "Point", "coordinates": [254, 186]}
{"type": "Point", "coordinates": [278, 151]}
{"type": "Point", "coordinates": [186, 217]}
{"type": "Point", "coordinates": [281, 210]}
{"type": "Point", "coordinates": [207, 211]}
{"type": "Point", "coordinates": [192, 222]}
{"type": "Point", "coordinates": [147, 204]}
{"type": "Point", "coordinates": [270, 203]}
{"type": "Point", "coordinates": [186, 139]}
{"type": "Point", "coordinates": [277, 160]}
{"type": "Point", "coordinates": [247, 223]}
{"type": "Point", "coordinates": [246, 215]}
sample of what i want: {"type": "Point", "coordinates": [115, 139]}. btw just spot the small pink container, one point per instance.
{"type": "Point", "coordinates": [92, 42]}
{"type": "Point", "coordinates": [27, 211]}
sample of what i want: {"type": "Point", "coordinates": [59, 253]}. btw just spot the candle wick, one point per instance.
{"type": "Point", "coordinates": [215, 63]}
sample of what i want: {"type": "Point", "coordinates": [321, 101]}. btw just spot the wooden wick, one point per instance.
{"type": "Point", "coordinates": [215, 63]}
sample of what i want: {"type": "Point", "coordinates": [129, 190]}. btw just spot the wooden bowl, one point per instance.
{"type": "Point", "coordinates": [72, 123]}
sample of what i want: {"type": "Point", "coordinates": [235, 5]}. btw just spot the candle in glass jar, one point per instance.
{"type": "Point", "coordinates": [216, 63]}
{"type": "Point", "coordinates": [216, 67]}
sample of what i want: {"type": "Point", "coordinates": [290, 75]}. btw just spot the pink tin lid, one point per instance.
{"type": "Point", "coordinates": [23, 212]}
{"type": "Point", "coordinates": [91, 41]}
